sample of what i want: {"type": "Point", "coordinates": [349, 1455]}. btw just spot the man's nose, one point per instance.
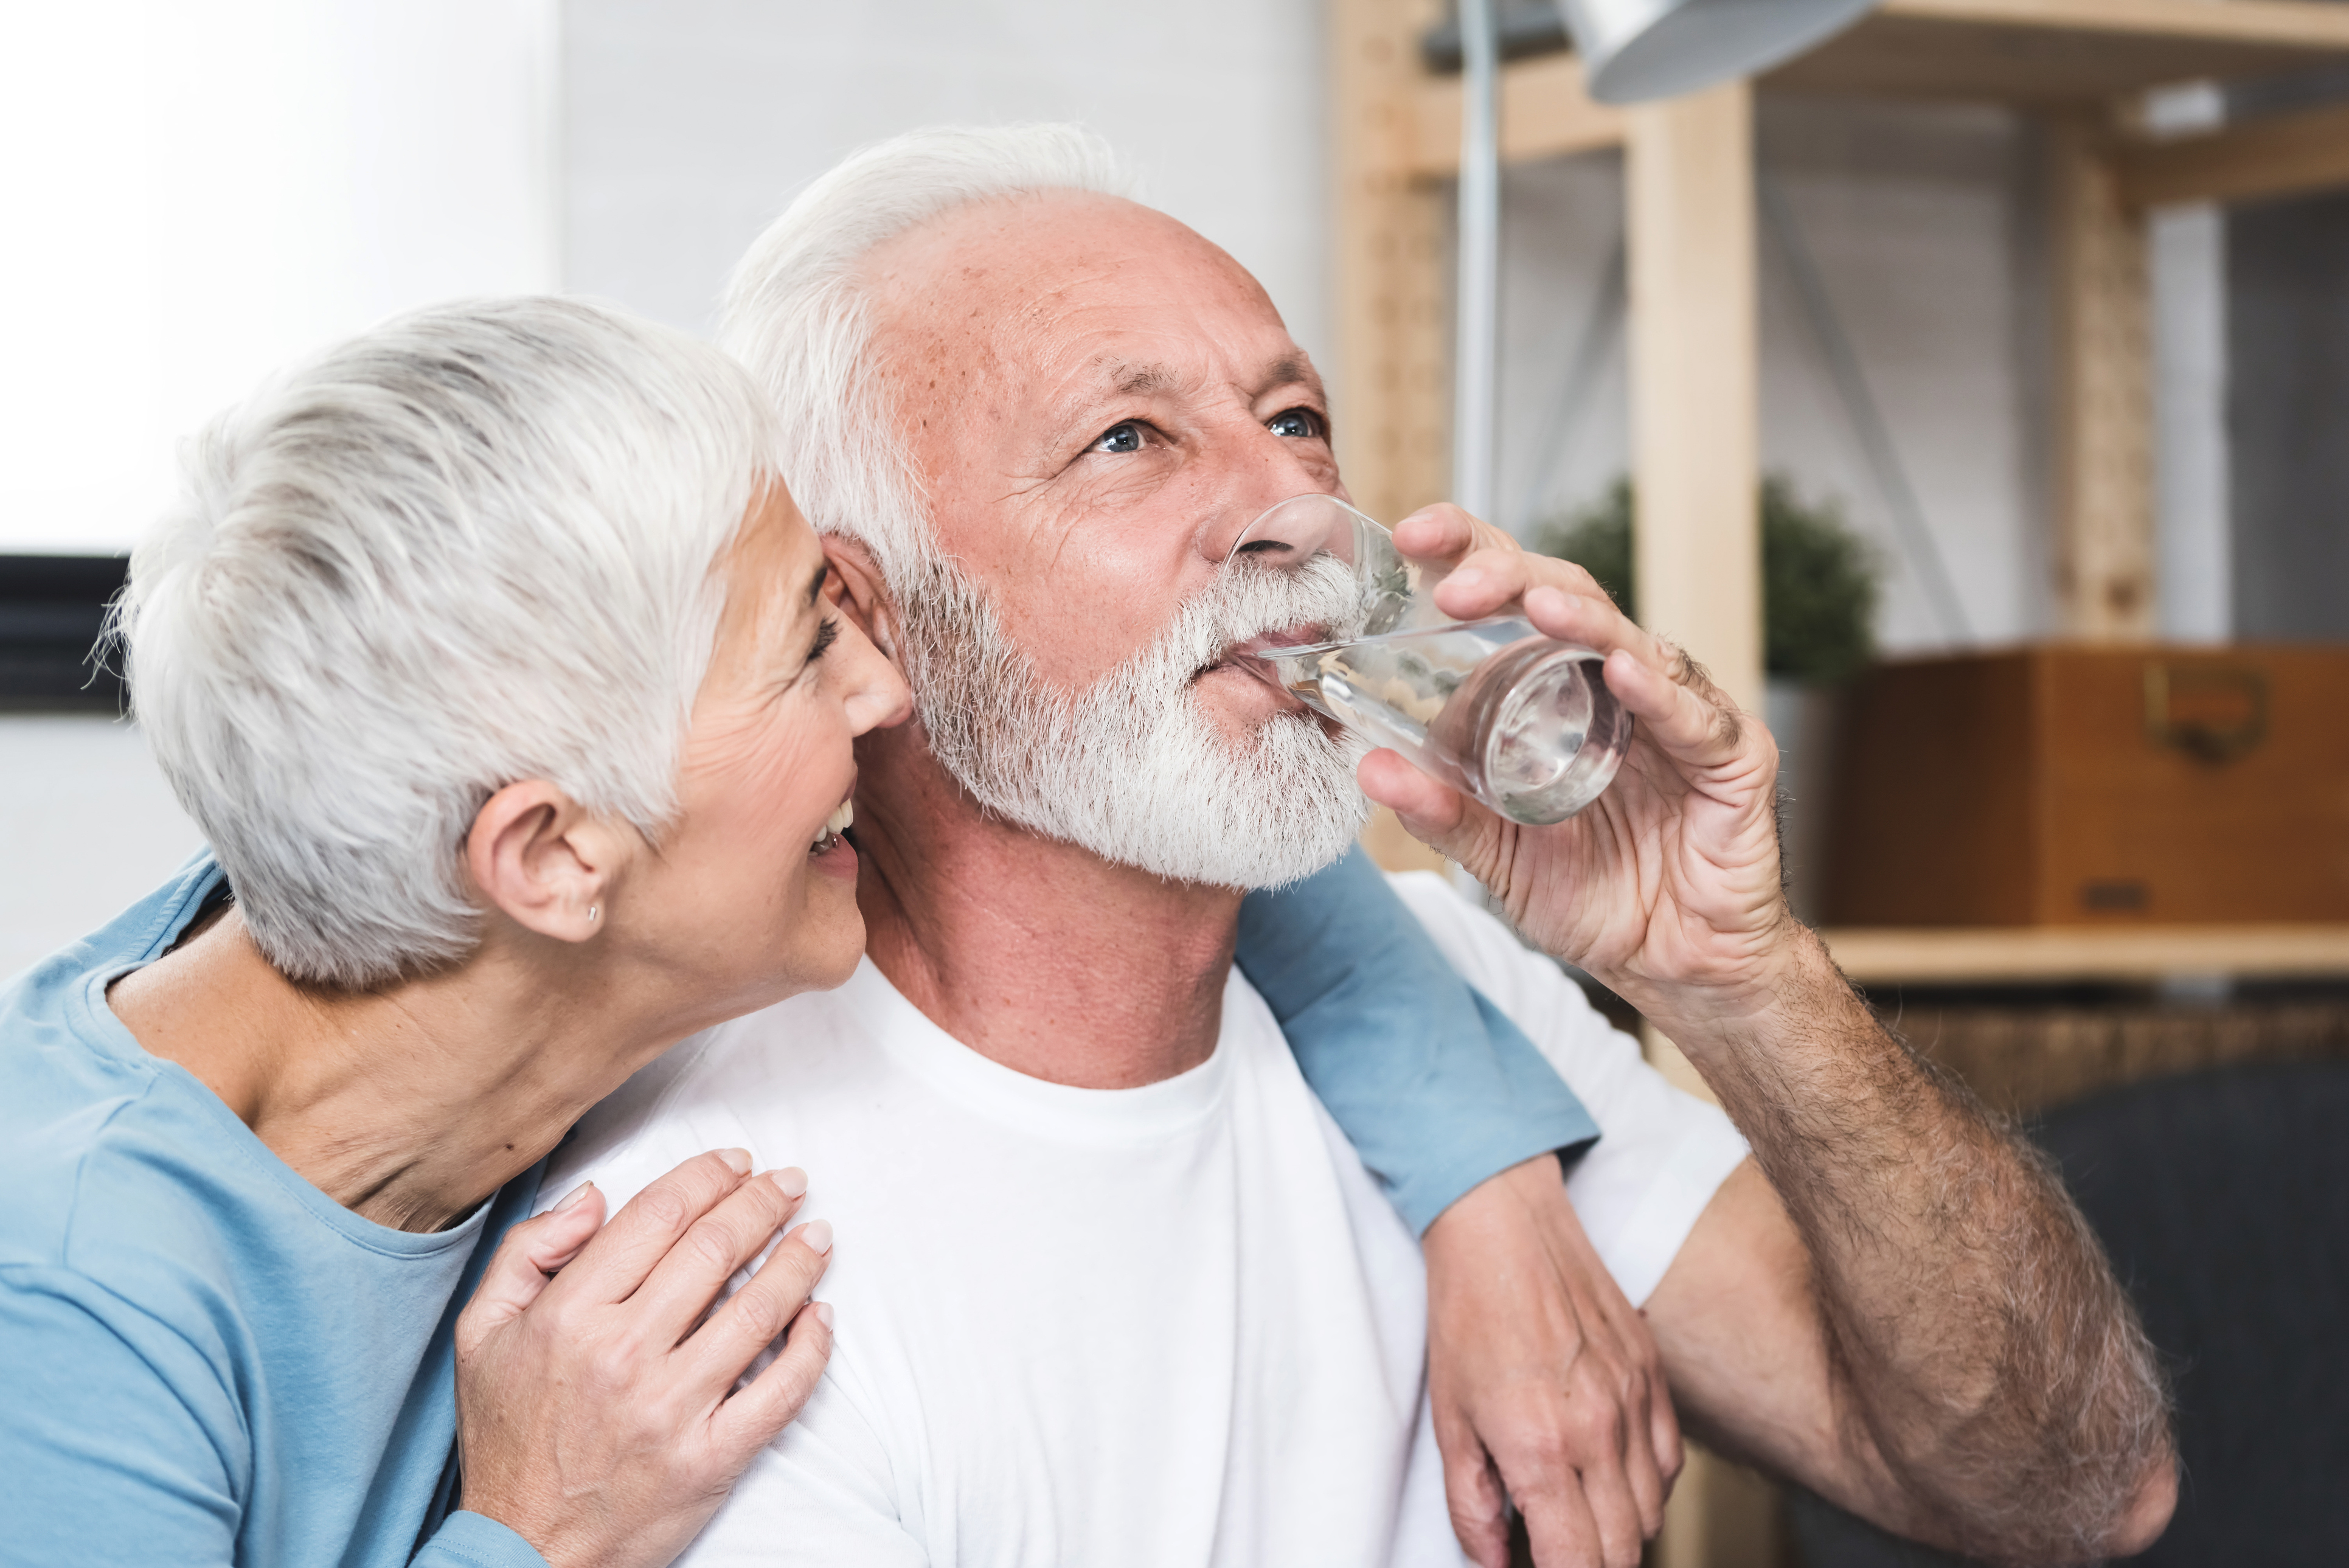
{"type": "Point", "coordinates": [1263, 479]}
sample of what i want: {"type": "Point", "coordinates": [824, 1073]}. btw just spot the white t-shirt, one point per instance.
{"type": "Point", "coordinates": [1177, 1325]}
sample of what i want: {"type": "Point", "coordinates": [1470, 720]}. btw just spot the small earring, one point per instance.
{"type": "Point", "coordinates": [591, 912]}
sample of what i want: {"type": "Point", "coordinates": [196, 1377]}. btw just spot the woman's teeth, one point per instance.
{"type": "Point", "coordinates": [834, 826]}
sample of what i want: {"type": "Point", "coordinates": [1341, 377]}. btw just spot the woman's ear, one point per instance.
{"type": "Point", "coordinates": [856, 590]}
{"type": "Point", "coordinates": [541, 859]}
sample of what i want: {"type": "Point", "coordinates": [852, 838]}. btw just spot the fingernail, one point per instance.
{"type": "Point", "coordinates": [823, 1313]}
{"type": "Point", "coordinates": [1470, 579]}
{"type": "Point", "coordinates": [572, 1196]}
{"type": "Point", "coordinates": [738, 1160]}
{"type": "Point", "coordinates": [791, 1182]}
{"type": "Point", "coordinates": [817, 1235]}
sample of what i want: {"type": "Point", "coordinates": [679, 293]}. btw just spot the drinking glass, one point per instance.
{"type": "Point", "coordinates": [1492, 707]}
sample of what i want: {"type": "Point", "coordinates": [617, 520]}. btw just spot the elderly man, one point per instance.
{"type": "Point", "coordinates": [1118, 1291]}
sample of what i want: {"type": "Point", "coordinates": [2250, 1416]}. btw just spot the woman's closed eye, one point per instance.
{"type": "Point", "coordinates": [827, 634]}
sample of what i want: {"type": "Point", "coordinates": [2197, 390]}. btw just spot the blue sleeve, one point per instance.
{"type": "Point", "coordinates": [1435, 1088]}
{"type": "Point", "coordinates": [475, 1541]}
{"type": "Point", "coordinates": [111, 1453]}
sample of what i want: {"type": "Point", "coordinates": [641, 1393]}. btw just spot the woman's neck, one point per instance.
{"type": "Point", "coordinates": [408, 1106]}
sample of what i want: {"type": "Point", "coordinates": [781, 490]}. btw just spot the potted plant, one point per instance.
{"type": "Point", "coordinates": [1819, 588]}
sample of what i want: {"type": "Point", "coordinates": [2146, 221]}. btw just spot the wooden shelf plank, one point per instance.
{"type": "Point", "coordinates": [2281, 155]}
{"type": "Point", "coordinates": [1884, 954]}
{"type": "Point", "coordinates": [2291, 24]}
{"type": "Point", "coordinates": [2041, 52]}
{"type": "Point", "coordinates": [1544, 113]}
{"type": "Point", "coordinates": [2037, 53]}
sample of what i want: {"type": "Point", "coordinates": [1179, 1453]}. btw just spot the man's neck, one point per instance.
{"type": "Point", "coordinates": [1037, 955]}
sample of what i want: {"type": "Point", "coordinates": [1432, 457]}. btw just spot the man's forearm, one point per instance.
{"type": "Point", "coordinates": [1986, 1365]}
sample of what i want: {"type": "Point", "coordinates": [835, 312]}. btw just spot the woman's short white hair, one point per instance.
{"type": "Point", "coordinates": [478, 544]}
{"type": "Point", "coordinates": [795, 313]}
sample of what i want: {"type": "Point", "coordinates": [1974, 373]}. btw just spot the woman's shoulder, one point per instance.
{"type": "Point", "coordinates": [104, 1267]}
{"type": "Point", "coordinates": [112, 1179]}
{"type": "Point", "coordinates": [128, 1193]}
{"type": "Point", "coordinates": [118, 1307]}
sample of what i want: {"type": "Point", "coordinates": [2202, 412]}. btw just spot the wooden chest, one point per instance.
{"type": "Point", "coordinates": [2063, 786]}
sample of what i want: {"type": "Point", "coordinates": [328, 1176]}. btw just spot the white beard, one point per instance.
{"type": "Point", "coordinates": [1132, 770]}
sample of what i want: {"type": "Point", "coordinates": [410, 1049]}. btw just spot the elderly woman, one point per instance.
{"type": "Point", "coordinates": [499, 671]}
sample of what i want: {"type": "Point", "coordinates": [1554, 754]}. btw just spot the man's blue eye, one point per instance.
{"type": "Point", "coordinates": [1297, 424]}
{"type": "Point", "coordinates": [1124, 438]}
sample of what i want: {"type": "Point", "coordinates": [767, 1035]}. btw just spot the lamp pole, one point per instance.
{"type": "Point", "coordinates": [1477, 337]}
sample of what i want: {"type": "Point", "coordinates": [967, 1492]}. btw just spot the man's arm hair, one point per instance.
{"type": "Point", "coordinates": [1898, 1304]}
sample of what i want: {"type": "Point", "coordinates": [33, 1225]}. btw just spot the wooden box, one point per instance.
{"type": "Point", "coordinates": [2069, 786]}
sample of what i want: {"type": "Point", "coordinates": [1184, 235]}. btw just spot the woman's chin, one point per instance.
{"type": "Point", "coordinates": [833, 956]}
{"type": "Point", "coordinates": [831, 940]}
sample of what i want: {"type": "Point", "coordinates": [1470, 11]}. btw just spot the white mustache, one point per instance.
{"type": "Point", "coordinates": [1243, 603]}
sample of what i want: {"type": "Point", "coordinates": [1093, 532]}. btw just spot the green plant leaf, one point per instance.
{"type": "Point", "coordinates": [1820, 582]}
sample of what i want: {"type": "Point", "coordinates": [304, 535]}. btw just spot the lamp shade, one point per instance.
{"type": "Point", "coordinates": [1637, 49]}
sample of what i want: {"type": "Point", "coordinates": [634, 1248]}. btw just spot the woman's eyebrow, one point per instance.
{"type": "Point", "coordinates": [815, 583]}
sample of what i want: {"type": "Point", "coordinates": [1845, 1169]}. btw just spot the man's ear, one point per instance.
{"type": "Point", "coordinates": [539, 857]}
{"type": "Point", "coordinates": [856, 590]}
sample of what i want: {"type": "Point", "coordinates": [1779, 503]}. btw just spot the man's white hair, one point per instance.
{"type": "Point", "coordinates": [1129, 769]}
{"type": "Point", "coordinates": [795, 312]}
{"type": "Point", "coordinates": [478, 544]}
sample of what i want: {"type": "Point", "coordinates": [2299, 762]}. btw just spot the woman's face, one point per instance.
{"type": "Point", "coordinates": [752, 891]}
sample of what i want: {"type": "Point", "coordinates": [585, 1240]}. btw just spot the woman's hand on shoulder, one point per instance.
{"type": "Point", "coordinates": [598, 1412]}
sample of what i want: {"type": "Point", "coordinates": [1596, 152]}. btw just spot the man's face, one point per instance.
{"type": "Point", "coordinates": [1100, 401]}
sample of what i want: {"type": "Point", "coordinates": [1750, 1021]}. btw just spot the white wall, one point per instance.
{"type": "Point", "coordinates": [195, 194]}
{"type": "Point", "coordinates": [86, 827]}
{"type": "Point", "coordinates": [689, 124]}
{"type": "Point", "coordinates": [1917, 220]}
{"type": "Point", "coordinates": [2187, 256]}
{"type": "Point", "coordinates": [198, 192]}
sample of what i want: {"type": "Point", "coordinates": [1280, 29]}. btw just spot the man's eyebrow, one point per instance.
{"type": "Point", "coordinates": [1292, 369]}
{"type": "Point", "coordinates": [1142, 380]}
{"type": "Point", "coordinates": [815, 583]}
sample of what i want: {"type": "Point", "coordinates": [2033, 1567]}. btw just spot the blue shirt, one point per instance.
{"type": "Point", "coordinates": [205, 1360]}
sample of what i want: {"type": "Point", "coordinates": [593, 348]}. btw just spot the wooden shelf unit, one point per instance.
{"type": "Point", "coordinates": [2060, 53]}
{"type": "Point", "coordinates": [2083, 65]}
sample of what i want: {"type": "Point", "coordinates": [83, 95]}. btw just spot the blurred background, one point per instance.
{"type": "Point", "coordinates": [1967, 389]}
